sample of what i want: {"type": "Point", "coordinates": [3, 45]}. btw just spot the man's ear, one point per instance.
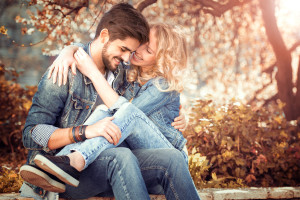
{"type": "Point", "coordinates": [104, 36]}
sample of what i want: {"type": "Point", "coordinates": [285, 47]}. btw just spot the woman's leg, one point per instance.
{"type": "Point", "coordinates": [132, 122]}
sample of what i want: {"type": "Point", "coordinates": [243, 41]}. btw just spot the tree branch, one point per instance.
{"type": "Point", "coordinates": [143, 4]}
{"type": "Point", "coordinates": [270, 69]}
{"type": "Point", "coordinates": [85, 3]}
{"type": "Point", "coordinates": [273, 98]}
{"type": "Point", "coordinates": [217, 9]}
{"type": "Point", "coordinates": [258, 91]}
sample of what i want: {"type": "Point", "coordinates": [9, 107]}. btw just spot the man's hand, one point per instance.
{"type": "Point", "coordinates": [105, 128]}
{"type": "Point", "coordinates": [61, 64]}
{"type": "Point", "coordinates": [180, 122]}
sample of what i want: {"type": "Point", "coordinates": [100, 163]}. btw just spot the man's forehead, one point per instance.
{"type": "Point", "coordinates": [130, 44]}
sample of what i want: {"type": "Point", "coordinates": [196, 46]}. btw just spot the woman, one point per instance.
{"type": "Point", "coordinates": [158, 73]}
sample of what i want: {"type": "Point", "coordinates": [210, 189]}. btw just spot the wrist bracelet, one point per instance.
{"type": "Point", "coordinates": [77, 130]}
{"type": "Point", "coordinates": [70, 135]}
{"type": "Point", "coordinates": [82, 132]}
{"type": "Point", "coordinates": [73, 133]}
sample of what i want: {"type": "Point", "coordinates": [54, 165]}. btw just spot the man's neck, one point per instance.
{"type": "Point", "coordinates": [96, 54]}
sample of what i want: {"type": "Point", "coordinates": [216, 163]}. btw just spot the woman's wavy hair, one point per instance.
{"type": "Point", "coordinates": [171, 59]}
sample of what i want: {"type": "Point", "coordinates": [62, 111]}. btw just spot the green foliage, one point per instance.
{"type": "Point", "coordinates": [236, 146]}
{"type": "Point", "coordinates": [15, 102]}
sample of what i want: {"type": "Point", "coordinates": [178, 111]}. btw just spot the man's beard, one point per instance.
{"type": "Point", "coordinates": [105, 58]}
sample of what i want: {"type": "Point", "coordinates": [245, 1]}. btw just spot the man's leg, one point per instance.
{"type": "Point", "coordinates": [166, 169]}
{"type": "Point", "coordinates": [115, 169]}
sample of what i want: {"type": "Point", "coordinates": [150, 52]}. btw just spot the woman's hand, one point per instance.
{"type": "Point", "coordinates": [180, 122]}
{"type": "Point", "coordinates": [85, 63]}
{"type": "Point", "coordinates": [61, 65]}
{"type": "Point", "coordinates": [105, 128]}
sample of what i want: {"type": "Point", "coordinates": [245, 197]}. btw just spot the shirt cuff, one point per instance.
{"type": "Point", "coordinates": [42, 133]}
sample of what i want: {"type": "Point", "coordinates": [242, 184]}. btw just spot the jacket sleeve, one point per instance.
{"type": "Point", "coordinates": [47, 105]}
{"type": "Point", "coordinates": [151, 98]}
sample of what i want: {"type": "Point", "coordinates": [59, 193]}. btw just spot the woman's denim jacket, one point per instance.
{"type": "Point", "coordinates": [161, 107]}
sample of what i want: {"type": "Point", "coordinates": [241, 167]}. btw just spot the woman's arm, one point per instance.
{"type": "Point", "coordinates": [61, 65]}
{"type": "Point", "coordinates": [152, 98]}
{"type": "Point", "coordinates": [87, 67]}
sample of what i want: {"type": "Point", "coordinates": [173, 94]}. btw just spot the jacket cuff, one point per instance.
{"type": "Point", "coordinates": [121, 100]}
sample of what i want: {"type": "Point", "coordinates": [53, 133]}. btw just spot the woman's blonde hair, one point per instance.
{"type": "Point", "coordinates": [171, 59]}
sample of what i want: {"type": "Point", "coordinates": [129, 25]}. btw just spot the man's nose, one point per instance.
{"type": "Point", "coordinates": [126, 56]}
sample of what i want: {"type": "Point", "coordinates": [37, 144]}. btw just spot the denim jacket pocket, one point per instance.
{"type": "Point", "coordinates": [76, 110]}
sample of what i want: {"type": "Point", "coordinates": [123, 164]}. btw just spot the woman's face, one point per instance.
{"type": "Point", "coordinates": [145, 55]}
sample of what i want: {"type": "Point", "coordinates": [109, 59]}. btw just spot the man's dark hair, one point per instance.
{"type": "Point", "coordinates": [123, 21]}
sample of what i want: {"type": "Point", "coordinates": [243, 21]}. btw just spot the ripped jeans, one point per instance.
{"type": "Point", "coordinates": [138, 130]}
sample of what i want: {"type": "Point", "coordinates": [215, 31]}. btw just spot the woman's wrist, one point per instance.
{"type": "Point", "coordinates": [87, 132]}
{"type": "Point", "coordinates": [96, 76]}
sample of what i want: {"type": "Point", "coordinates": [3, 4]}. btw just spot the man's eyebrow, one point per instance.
{"type": "Point", "coordinates": [124, 47]}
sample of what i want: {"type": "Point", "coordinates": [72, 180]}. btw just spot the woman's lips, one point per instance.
{"type": "Point", "coordinates": [136, 57]}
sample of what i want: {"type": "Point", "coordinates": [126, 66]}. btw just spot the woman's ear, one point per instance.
{"type": "Point", "coordinates": [104, 36]}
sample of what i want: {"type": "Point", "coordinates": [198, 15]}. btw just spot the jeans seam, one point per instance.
{"type": "Point", "coordinates": [119, 173]}
{"type": "Point", "coordinates": [166, 175]}
{"type": "Point", "coordinates": [136, 115]}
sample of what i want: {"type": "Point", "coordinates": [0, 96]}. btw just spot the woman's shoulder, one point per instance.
{"type": "Point", "coordinates": [161, 81]}
{"type": "Point", "coordinates": [161, 84]}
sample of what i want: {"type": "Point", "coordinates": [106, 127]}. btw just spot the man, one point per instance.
{"type": "Point", "coordinates": [55, 109]}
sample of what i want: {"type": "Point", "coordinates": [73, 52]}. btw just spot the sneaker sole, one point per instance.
{"type": "Point", "coordinates": [40, 179]}
{"type": "Point", "coordinates": [51, 168]}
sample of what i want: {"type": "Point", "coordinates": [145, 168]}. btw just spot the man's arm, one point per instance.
{"type": "Point", "coordinates": [47, 106]}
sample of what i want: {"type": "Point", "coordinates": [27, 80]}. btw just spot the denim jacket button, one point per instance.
{"type": "Point", "coordinates": [87, 107]}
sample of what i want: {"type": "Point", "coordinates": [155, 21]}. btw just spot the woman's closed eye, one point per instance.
{"type": "Point", "coordinates": [148, 50]}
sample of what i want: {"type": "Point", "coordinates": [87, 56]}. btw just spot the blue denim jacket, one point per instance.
{"type": "Point", "coordinates": [160, 107]}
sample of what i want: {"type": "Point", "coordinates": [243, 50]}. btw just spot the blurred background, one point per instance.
{"type": "Point", "coordinates": [236, 46]}
{"type": "Point", "coordinates": [233, 46]}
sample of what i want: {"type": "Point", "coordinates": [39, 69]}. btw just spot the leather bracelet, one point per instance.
{"type": "Point", "coordinates": [73, 133]}
{"type": "Point", "coordinates": [70, 135]}
{"type": "Point", "coordinates": [82, 133]}
{"type": "Point", "coordinates": [77, 130]}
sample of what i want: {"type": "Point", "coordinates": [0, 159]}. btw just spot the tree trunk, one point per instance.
{"type": "Point", "coordinates": [283, 59]}
{"type": "Point", "coordinates": [297, 98]}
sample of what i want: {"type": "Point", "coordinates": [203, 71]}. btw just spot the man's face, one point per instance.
{"type": "Point", "coordinates": [117, 51]}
